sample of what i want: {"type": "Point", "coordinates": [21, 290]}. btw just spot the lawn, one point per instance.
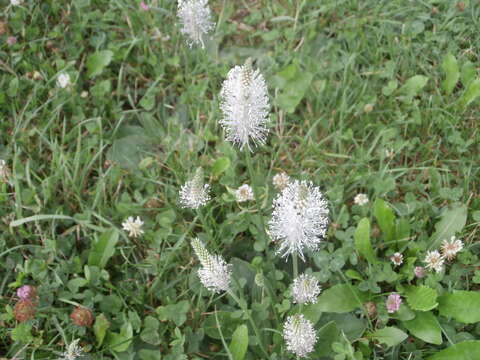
{"type": "Point", "coordinates": [143, 217]}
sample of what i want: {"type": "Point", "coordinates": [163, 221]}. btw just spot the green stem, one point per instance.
{"type": "Point", "coordinates": [254, 326]}
{"type": "Point", "coordinates": [256, 193]}
{"type": "Point", "coordinates": [295, 265]}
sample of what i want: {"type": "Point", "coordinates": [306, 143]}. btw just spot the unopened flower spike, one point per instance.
{"type": "Point", "coordinates": [299, 335]}
{"type": "Point", "coordinates": [300, 218]}
{"type": "Point", "coordinates": [196, 19]}
{"type": "Point", "coordinates": [245, 106]}
{"type": "Point", "coordinates": [195, 193]}
{"type": "Point", "coordinates": [215, 273]}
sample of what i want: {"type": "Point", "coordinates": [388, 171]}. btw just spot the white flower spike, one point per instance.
{"type": "Point", "coordinates": [133, 226]}
{"type": "Point", "coordinates": [196, 19]}
{"type": "Point", "coordinates": [305, 289]}
{"type": "Point", "coordinates": [74, 351]}
{"type": "Point", "coordinates": [195, 193]}
{"type": "Point", "coordinates": [215, 273]}
{"type": "Point", "coordinates": [300, 218]}
{"type": "Point", "coordinates": [245, 106]}
{"type": "Point", "coordinates": [299, 335]}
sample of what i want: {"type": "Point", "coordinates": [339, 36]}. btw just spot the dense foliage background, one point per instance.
{"type": "Point", "coordinates": [375, 97]}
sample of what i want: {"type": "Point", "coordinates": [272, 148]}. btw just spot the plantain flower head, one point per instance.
{"type": "Point", "coordinates": [215, 273]}
{"type": "Point", "coordinates": [245, 106]}
{"type": "Point", "coordinates": [299, 335]}
{"type": "Point", "coordinates": [196, 19]}
{"type": "Point", "coordinates": [74, 351]}
{"type": "Point", "coordinates": [300, 218]}
{"type": "Point", "coordinates": [195, 193]}
{"type": "Point", "coordinates": [305, 289]}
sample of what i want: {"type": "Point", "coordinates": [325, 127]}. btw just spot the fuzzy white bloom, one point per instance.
{"type": "Point", "coordinates": [215, 273]}
{"type": "Point", "coordinates": [245, 106]}
{"type": "Point", "coordinates": [434, 261]}
{"type": "Point", "coordinates": [74, 351]}
{"type": "Point", "coordinates": [63, 80]}
{"type": "Point", "coordinates": [4, 171]}
{"type": "Point", "coordinates": [397, 259]}
{"type": "Point", "coordinates": [305, 289]}
{"type": "Point", "coordinates": [194, 193]}
{"type": "Point", "coordinates": [134, 227]}
{"type": "Point", "coordinates": [196, 19]}
{"type": "Point", "coordinates": [451, 248]}
{"type": "Point", "coordinates": [299, 219]}
{"type": "Point", "coordinates": [299, 335]}
{"type": "Point", "coordinates": [244, 193]}
{"type": "Point", "coordinates": [280, 181]}
{"type": "Point", "coordinates": [361, 199]}
{"type": "Point", "coordinates": [15, 2]}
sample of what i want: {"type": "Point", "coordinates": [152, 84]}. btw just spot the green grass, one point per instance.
{"type": "Point", "coordinates": [336, 72]}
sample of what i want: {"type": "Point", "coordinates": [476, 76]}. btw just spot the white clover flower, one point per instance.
{"type": "Point", "coordinates": [244, 193]}
{"type": "Point", "coordinates": [215, 273]}
{"type": "Point", "coordinates": [15, 2]}
{"type": "Point", "coordinates": [361, 199]}
{"type": "Point", "coordinates": [74, 351]}
{"type": "Point", "coordinates": [300, 218]}
{"type": "Point", "coordinates": [434, 261]}
{"type": "Point", "coordinates": [134, 227]}
{"type": "Point", "coordinates": [194, 193]}
{"type": "Point", "coordinates": [245, 106]}
{"type": "Point", "coordinates": [196, 19]}
{"type": "Point", "coordinates": [451, 248]}
{"type": "Point", "coordinates": [299, 335]}
{"type": "Point", "coordinates": [305, 289]}
{"type": "Point", "coordinates": [63, 80]}
{"type": "Point", "coordinates": [280, 181]}
{"type": "Point", "coordinates": [397, 259]}
{"type": "Point", "coordinates": [4, 171]}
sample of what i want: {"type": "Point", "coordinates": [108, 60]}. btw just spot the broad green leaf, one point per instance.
{"type": "Point", "coordinates": [452, 73]}
{"type": "Point", "coordinates": [103, 249]}
{"type": "Point", "coordinates": [425, 327]}
{"type": "Point", "coordinates": [413, 86]}
{"type": "Point", "coordinates": [385, 218]}
{"type": "Point", "coordinates": [174, 312]}
{"type": "Point", "coordinates": [468, 73]}
{"type": "Point", "coordinates": [97, 62]}
{"type": "Point", "coordinates": [467, 350]}
{"type": "Point", "coordinates": [362, 240]}
{"type": "Point", "coordinates": [220, 166]}
{"type": "Point", "coordinates": [120, 342]}
{"type": "Point", "coordinates": [463, 306]}
{"type": "Point", "coordinates": [471, 93]}
{"type": "Point", "coordinates": [452, 221]}
{"type": "Point", "coordinates": [293, 83]}
{"type": "Point", "coordinates": [389, 336]}
{"type": "Point", "coordinates": [100, 328]}
{"type": "Point", "coordinates": [327, 335]}
{"type": "Point", "coordinates": [22, 333]}
{"type": "Point", "coordinates": [339, 298]}
{"type": "Point", "coordinates": [150, 333]}
{"type": "Point", "coordinates": [421, 298]}
{"type": "Point", "coordinates": [239, 344]}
